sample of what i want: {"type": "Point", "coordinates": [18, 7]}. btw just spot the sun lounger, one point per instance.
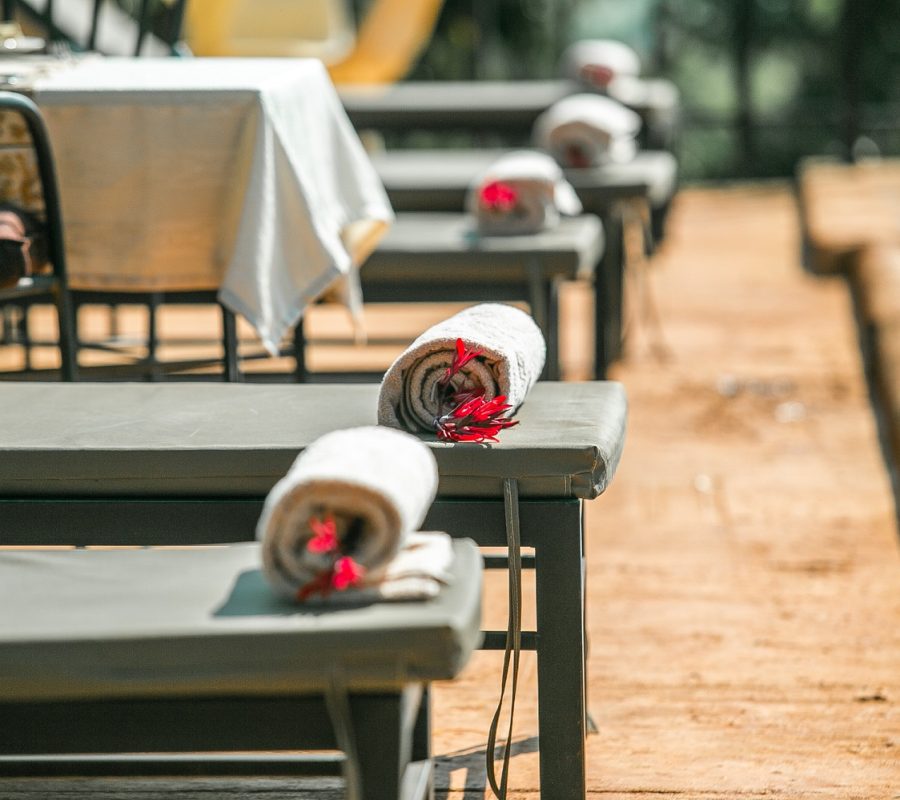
{"type": "Point", "coordinates": [874, 280]}
{"type": "Point", "coordinates": [438, 180]}
{"type": "Point", "coordinates": [192, 463]}
{"type": "Point", "coordinates": [440, 257]}
{"type": "Point", "coordinates": [188, 651]}
{"type": "Point", "coordinates": [509, 107]}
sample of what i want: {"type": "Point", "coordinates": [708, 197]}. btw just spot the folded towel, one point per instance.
{"type": "Point", "coordinates": [598, 62]}
{"type": "Point", "coordinates": [522, 192]}
{"type": "Point", "coordinates": [421, 567]}
{"type": "Point", "coordinates": [344, 510]}
{"type": "Point", "coordinates": [585, 130]}
{"type": "Point", "coordinates": [512, 353]}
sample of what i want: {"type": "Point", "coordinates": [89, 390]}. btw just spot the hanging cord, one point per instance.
{"type": "Point", "coordinates": [637, 236]}
{"type": "Point", "coordinates": [513, 639]}
{"type": "Point", "coordinates": [337, 701]}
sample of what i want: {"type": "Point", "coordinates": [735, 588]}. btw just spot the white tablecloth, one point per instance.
{"type": "Point", "coordinates": [238, 174]}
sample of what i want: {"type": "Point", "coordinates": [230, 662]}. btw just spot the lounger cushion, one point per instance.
{"type": "Point", "coordinates": [236, 440]}
{"type": "Point", "coordinates": [158, 622]}
{"type": "Point", "coordinates": [446, 248]}
{"type": "Point", "coordinates": [438, 180]}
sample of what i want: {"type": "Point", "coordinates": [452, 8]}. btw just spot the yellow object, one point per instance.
{"type": "Point", "coordinates": [296, 28]}
{"type": "Point", "coordinates": [390, 38]}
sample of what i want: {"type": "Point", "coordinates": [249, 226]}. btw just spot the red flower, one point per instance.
{"type": "Point", "coordinates": [343, 574]}
{"type": "Point", "coordinates": [321, 584]}
{"type": "Point", "coordinates": [576, 156]}
{"type": "Point", "coordinates": [498, 196]}
{"type": "Point", "coordinates": [346, 573]}
{"type": "Point", "coordinates": [597, 74]}
{"type": "Point", "coordinates": [463, 356]}
{"type": "Point", "coordinates": [474, 419]}
{"type": "Point", "coordinates": [325, 538]}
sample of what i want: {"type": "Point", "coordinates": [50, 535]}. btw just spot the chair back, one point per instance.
{"type": "Point", "coordinates": [55, 285]}
{"type": "Point", "coordinates": [11, 102]}
{"type": "Point", "coordinates": [101, 25]}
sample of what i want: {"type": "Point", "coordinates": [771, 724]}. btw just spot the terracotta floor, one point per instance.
{"type": "Point", "coordinates": [744, 567]}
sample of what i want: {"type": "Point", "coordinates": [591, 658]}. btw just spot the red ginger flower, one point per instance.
{"type": "Point", "coordinates": [325, 535]}
{"type": "Point", "coordinates": [498, 196]}
{"type": "Point", "coordinates": [341, 574]}
{"type": "Point", "coordinates": [474, 419]}
{"type": "Point", "coordinates": [597, 74]}
{"type": "Point", "coordinates": [463, 356]}
{"type": "Point", "coordinates": [346, 573]}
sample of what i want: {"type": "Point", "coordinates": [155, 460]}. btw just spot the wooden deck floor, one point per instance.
{"type": "Point", "coordinates": [744, 572]}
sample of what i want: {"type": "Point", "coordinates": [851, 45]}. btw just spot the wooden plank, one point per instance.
{"type": "Point", "coordinates": [845, 207]}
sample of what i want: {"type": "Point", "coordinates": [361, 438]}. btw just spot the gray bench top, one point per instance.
{"type": "Point", "coordinates": [438, 180]}
{"type": "Point", "coordinates": [481, 105]}
{"type": "Point", "coordinates": [157, 622]}
{"type": "Point", "coordinates": [236, 440]}
{"type": "Point", "coordinates": [446, 247]}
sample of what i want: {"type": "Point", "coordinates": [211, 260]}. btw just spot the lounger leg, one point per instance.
{"type": "Point", "coordinates": [25, 337]}
{"type": "Point", "coordinates": [155, 372]}
{"type": "Point", "coordinates": [608, 284]}
{"type": "Point", "coordinates": [561, 667]}
{"type": "Point", "coordinates": [422, 731]}
{"type": "Point", "coordinates": [554, 369]}
{"type": "Point", "coordinates": [383, 727]}
{"type": "Point", "coordinates": [300, 374]}
{"type": "Point", "coordinates": [230, 344]}
{"type": "Point", "coordinates": [541, 300]}
{"type": "Point", "coordinates": [68, 334]}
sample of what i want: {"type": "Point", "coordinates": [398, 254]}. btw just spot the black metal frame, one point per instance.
{"type": "Point", "coordinates": [54, 286]}
{"type": "Point", "coordinates": [150, 367]}
{"type": "Point", "coordinates": [384, 726]}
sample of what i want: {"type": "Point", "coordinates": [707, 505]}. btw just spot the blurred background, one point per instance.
{"type": "Point", "coordinates": [763, 82]}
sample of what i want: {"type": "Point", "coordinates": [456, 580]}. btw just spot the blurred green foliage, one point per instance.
{"type": "Point", "coordinates": [763, 82]}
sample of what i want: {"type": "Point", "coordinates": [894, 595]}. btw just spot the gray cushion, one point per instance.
{"type": "Point", "coordinates": [237, 440]}
{"type": "Point", "coordinates": [438, 180]}
{"type": "Point", "coordinates": [446, 248]}
{"type": "Point", "coordinates": [156, 622]}
{"type": "Point", "coordinates": [480, 105]}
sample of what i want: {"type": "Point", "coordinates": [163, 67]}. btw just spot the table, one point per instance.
{"type": "Point", "coordinates": [237, 175]}
{"type": "Point", "coordinates": [178, 463]}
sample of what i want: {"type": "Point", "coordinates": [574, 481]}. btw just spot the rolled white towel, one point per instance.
{"type": "Point", "coordinates": [344, 510]}
{"type": "Point", "coordinates": [522, 192]}
{"type": "Point", "coordinates": [585, 130]}
{"type": "Point", "coordinates": [511, 356]}
{"type": "Point", "coordinates": [598, 62]}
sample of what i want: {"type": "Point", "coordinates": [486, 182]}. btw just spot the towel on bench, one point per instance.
{"type": "Point", "coordinates": [512, 352]}
{"type": "Point", "coordinates": [587, 130]}
{"type": "Point", "coordinates": [344, 510]}
{"type": "Point", "coordinates": [522, 192]}
{"type": "Point", "coordinates": [598, 62]}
